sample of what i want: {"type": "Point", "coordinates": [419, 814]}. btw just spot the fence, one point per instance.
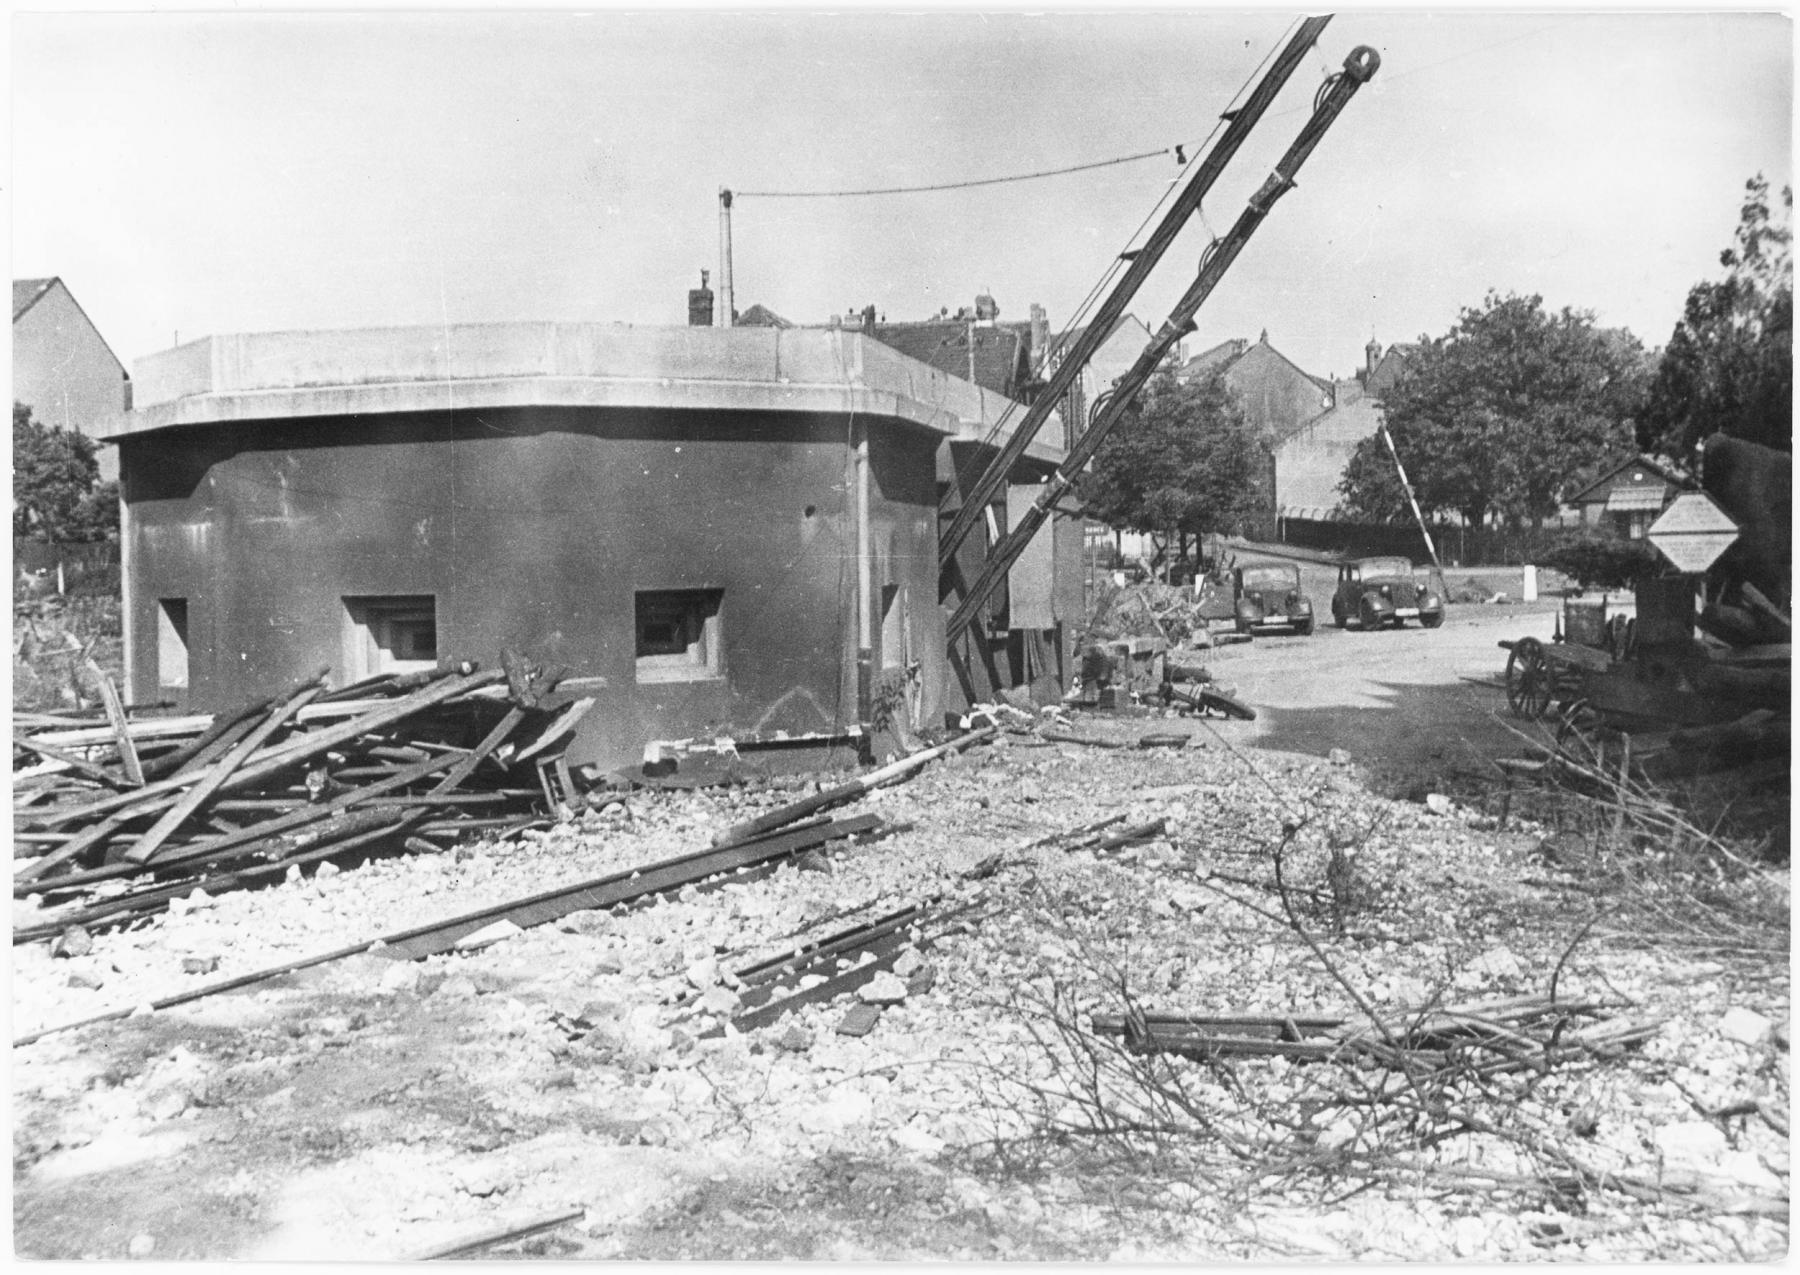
{"type": "Point", "coordinates": [84, 568]}
{"type": "Point", "coordinates": [1456, 545]}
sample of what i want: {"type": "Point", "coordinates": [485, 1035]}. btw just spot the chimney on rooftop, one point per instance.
{"type": "Point", "coordinates": [700, 304]}
{"type": "Point", "coordinates": [1040, 334]}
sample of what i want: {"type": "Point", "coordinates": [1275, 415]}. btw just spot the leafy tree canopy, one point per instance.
{"type": "Point", "coordinates": [1187, 460]}
{"type": "Point", "coordinates": [56, 492]}
{"type": "Point", "coordinates": [1730, 364]}
{"type": "Point", "coordinates": [1506, 414]}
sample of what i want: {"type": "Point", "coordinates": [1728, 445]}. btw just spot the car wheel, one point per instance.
{"type": "Point", "coordinates": [1369, 617]}
{"type": "Point", "coordinates": [1337, 616]}
{"type": "Point", "coordinates": [1305, 627]}
{"type": "Point", "coordinates": [1432, 621]}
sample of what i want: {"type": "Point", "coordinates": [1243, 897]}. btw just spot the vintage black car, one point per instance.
{"type": "Point", "coordinates": [1266, 595]}
{"type": "Point", "coordinates": [1377, 592]}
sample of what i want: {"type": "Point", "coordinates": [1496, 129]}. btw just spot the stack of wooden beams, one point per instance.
{"type": "Point", "coordinates": [114, 819]}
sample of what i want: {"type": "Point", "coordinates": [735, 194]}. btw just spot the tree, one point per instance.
{"type": "Point", "coordinates": [1504, 415]}
{"type": "Point", "coordinates": [1187, 461]}
{"type": "Point", "coordinates": [1729, 366]}
{"type": "Point", "coordinates": [1371, 487]}
{"type": "Point", "coordinates": [56, 492]}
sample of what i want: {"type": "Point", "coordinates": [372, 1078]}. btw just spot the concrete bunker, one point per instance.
{"type": "Point", "coordinates": [715, 531]}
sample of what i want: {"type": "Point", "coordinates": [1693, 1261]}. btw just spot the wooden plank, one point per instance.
{"type": "Point", "coordinates": [234, 722]}
{"type": "Point", "coordinates": [102, 831]}
{"type": "Point", "coordinates": [307, 847]}
{"type": "Point", "coordinates": [84, 768]}
{"type": "Point", "coordinates": [271, 761]}
{"type": "Point", "coordinates": [493, 740]}
{"type": "Point", "coordinates": [309, 814]}
{"type": "Point", "coordinates": [142, 728]}
{"type": "Point", "coordinates": [219, 846]}
{"type": "Point", "coordinates": [561, 726]}
{"type": "Point", "coordinates": [147, 845]}
{"type": "Point", "coordinates": [203, 751]}
{"type": "Point", "coordinates": [115, 714]}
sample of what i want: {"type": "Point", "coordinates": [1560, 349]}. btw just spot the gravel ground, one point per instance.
{"type": "Point", "coordinates": [370, 1109]}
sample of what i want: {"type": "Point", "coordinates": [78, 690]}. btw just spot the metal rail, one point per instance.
{"type": "Point", "coordinates": [611, 891]}
{"type": "Point", "coordinates": [1333, 96]}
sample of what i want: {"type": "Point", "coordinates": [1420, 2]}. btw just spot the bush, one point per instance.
{"type": "Point", "coordinates": [1596, 560]}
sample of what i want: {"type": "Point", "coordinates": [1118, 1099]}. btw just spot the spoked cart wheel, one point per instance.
{"type": "Point", "coordinates": [1577, 734]}
{"type": "Point", "coordinates": [1529, 684]}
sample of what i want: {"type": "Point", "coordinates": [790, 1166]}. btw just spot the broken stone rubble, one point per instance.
{"type": "Point", "coordinates": [643, 952]}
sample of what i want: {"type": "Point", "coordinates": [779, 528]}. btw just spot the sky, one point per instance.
{"type": "Point", "coordinates": [197, 173]}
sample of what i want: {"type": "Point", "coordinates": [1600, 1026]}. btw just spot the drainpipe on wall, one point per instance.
{"type": "Point", "coordinates": [125, 625]}
{"type": "Point", "coordinates": [865, 625]}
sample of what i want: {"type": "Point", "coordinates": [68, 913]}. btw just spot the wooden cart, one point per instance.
{"type": "Point", "coordinates": [1540, 675]}
{"type": "Point", "coordinates": [1595, 672]}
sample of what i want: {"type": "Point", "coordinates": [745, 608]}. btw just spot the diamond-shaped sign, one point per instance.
{"type": "Point", "coordinates": [1693, 532]}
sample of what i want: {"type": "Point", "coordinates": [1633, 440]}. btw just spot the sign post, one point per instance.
{"type": "Point", "coordinates": [1693, 532]}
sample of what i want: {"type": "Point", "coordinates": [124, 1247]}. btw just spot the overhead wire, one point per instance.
{"type": "Point", "coordinates": [960, 185]}
{"type": "Point", "coordinates": [1078, 317]}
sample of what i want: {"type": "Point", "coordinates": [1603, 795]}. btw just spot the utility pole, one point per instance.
{"type": "Point", "coordinates": [727, 315]}
{"type": "Point", "coordinates": [1333, 96]}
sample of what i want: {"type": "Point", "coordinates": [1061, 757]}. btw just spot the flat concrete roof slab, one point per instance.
{"type": "Point", "coordinates": [288, 375]}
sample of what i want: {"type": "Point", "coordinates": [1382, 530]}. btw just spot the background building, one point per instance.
{"type": "Point", "coordinates": [1628, 497]}
{"type": "Point", "coordinates": [63, 368]}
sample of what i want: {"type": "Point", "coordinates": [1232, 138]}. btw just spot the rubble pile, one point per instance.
{"type": "Point", "coordinates": [875, 999]}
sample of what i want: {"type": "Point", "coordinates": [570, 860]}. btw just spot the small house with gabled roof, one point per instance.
{"type": "Point", "coordinates": [1629, 496]}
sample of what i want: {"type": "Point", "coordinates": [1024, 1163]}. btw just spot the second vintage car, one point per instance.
{"type": "Point", "coordinates": [1377, 592]}
{"type": "Point", "coordinates": [1266, 595]}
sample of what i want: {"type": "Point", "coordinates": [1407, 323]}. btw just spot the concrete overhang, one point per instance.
{"type": "Point", "coordinates": [373, 371]}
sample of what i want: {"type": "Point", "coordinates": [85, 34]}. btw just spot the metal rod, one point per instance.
{"type": "Point", "coordinates": [488, 1239]}
{"type": "Point", "coordinates": [1407, 488]}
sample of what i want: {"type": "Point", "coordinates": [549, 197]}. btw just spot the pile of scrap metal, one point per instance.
{"type": "Point", "coordinates": [114, 820]}
{"type": "Point", "coordinates": [1144, 670]}
{"type": "Point", "coordinates": [1198, 616]}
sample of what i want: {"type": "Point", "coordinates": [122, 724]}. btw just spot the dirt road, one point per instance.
{"type": "Point", "coordinates": [1400, 702]}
